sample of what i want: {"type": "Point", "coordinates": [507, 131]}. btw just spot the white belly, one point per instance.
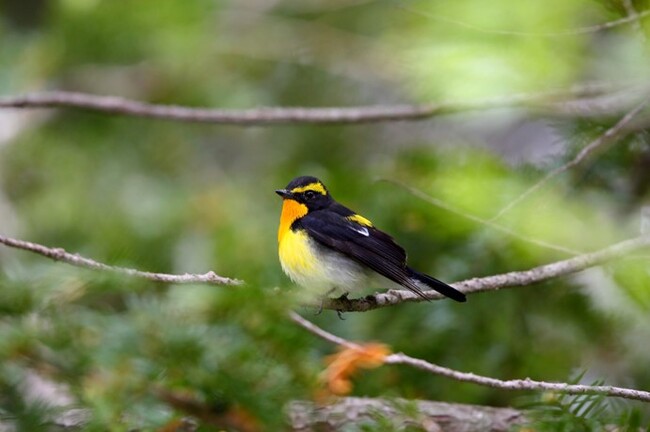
{"type": "Point", "coordinates": [332, 273]}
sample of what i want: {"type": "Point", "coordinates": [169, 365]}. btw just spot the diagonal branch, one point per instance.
{"type": "Point", "coordinates": [277, 115]}
{"type": "Point", "coordinates": [495, 282]}
{"type": "Point", "coordinates": [517, 384]}
{"type": "Point", "coordinates": [616, 131]}
{"type": "Point", "coordinates": [632, 18]}
{"type": "Point", "coordinates": [58, 254]}
{"type": "Point", "coordinates": [497, 227]}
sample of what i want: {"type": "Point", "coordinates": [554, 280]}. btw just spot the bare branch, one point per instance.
{"type": "Point", "coordinates": [375, 301]}
{"type": "Point", "coordinates": [322, 333]}
{"type": "Point", "coordinates": [517, 384]}
{"type": "Point", "coordinates": [505, 230]}
{"type": "Point", "coordinates": [609, 136]}
{"type": "Point", "coordinates": [268, 116]}
{"type": "Point", "coordinates": [495, 282]}
{"type": "Point", "coordinates": [58, 254]}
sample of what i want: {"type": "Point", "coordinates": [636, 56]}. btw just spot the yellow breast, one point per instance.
{"type": "Point", "coordinates": [297, 257]}
{"type": "Point", "coordinates": [294, 247]}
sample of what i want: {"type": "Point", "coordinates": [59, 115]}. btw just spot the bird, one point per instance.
{"type": "Point", "coordinates": [327, 248]}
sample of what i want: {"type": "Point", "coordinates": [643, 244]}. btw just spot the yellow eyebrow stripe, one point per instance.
{"type": "Point", "coordinates": [360, 220]}
{"type": "Point", "coordinates": [316, 187]}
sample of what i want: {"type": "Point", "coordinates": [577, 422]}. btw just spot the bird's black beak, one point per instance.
{"type": "Point", "coordinates": [284, 193]}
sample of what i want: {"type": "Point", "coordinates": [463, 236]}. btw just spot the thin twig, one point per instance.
{"type": "Point", "coordinates": [58, 254]}
{"type": "Point", "coordinates": [610, 134]}
{"type": "Point", "coordinates": [495, 282]}
{"type": "Point", "coordinates": [632, 12]}
{"type": "Point", "coordinates": [448, 207]}
{"type": "Point", "coordinates": [322, 333]}
{"type": "Point", "coordinates": [518, 384]}
{"type": "Point", "coordinates": [276, 115]}
{"type": "Point", "coordinates": [631, 18]}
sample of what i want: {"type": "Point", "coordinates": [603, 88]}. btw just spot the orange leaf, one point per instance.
{"type": "Point", "coordinates": [342, 365]}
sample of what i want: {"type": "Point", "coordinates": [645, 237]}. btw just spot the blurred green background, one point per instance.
{"type": "Point", "coordinates": [176, 197]}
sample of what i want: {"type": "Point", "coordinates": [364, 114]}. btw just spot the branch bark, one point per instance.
{"type": "Point", "coordinates": [58, 254]}
{"type": "Point", "coordinates": [424, 415]}
{"type": "Point", "coordinates": [518, 384]}
{"type": "Point", "coordinates": [276, 115]}
{"type": "Point", "coordinates": [495, 282]}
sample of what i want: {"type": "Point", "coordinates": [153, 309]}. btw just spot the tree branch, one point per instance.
{"type": "Point", "coordinates": [517, 384]}
{"type": "Point", "coordinates": [423, 415]}
{"type": "Point", "coordinates": [616, 131]}
{"type": "Point", "coordinates": [58, 254]}
{"type": "Point", "coordinates": [495, 282]}
{"type": "Point", "coordinates": [374, 301]}
{"type": "Point", "coordinates": [268, 116]}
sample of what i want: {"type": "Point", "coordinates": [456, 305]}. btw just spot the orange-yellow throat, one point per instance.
{"type": "Point", "coordinates": [291, 210]}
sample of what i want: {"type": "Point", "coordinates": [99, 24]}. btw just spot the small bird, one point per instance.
{"type": "Point", "coordinates": [327, 248]}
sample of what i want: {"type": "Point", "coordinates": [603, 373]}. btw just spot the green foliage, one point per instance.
{"type": "Point", "coordinates": [16, 410]}
{"type": "Point", "coordinates": [588, 413]}
{"type": "Point", "coordinates": [179, 197]}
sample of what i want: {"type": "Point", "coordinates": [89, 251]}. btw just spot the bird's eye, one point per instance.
{"type": "Point", "coordinates": [310, 194]}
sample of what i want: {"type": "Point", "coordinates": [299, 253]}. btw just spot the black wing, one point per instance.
{"type": "Point", "coordinates": [366, 245]}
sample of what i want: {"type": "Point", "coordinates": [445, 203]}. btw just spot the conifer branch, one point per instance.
{"type": "Point", "coordinates": [290, 115]}
{"type": "Point", "coordinates": [516, 384]}
{"type": "Point", "coordinates": [58, 254]}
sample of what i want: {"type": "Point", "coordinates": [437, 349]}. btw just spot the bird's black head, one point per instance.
{"type": "Point", "coordinates": [308, 191]}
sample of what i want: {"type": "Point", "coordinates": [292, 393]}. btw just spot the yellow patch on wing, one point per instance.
{"type": "Point", "coordinates": [316, 187]}
{"type": "Point", "coordinates": [360, 220]}
{"type": "Point", "coordinates": [291, 210]}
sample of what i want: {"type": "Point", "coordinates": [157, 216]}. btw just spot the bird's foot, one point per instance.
{"type": "Point", "coordinates": [344, 299]}
{"type": "Point", "coordinates": [320, 308]}
{"type": "Point", "coordinates": [322, 301]}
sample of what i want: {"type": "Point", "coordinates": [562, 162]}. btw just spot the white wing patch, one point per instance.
{"type": "Point", "coordinates": [361, 230]}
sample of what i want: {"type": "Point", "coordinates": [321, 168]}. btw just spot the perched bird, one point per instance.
{"type": "Point", "coordinates": [327, 248]}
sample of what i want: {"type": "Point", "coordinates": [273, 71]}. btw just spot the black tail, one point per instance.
{"type": "Point", "coordinates": [437, 285]}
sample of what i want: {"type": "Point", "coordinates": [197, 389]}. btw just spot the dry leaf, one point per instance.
{"type": "Point", "coordinates": [342, 365]}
